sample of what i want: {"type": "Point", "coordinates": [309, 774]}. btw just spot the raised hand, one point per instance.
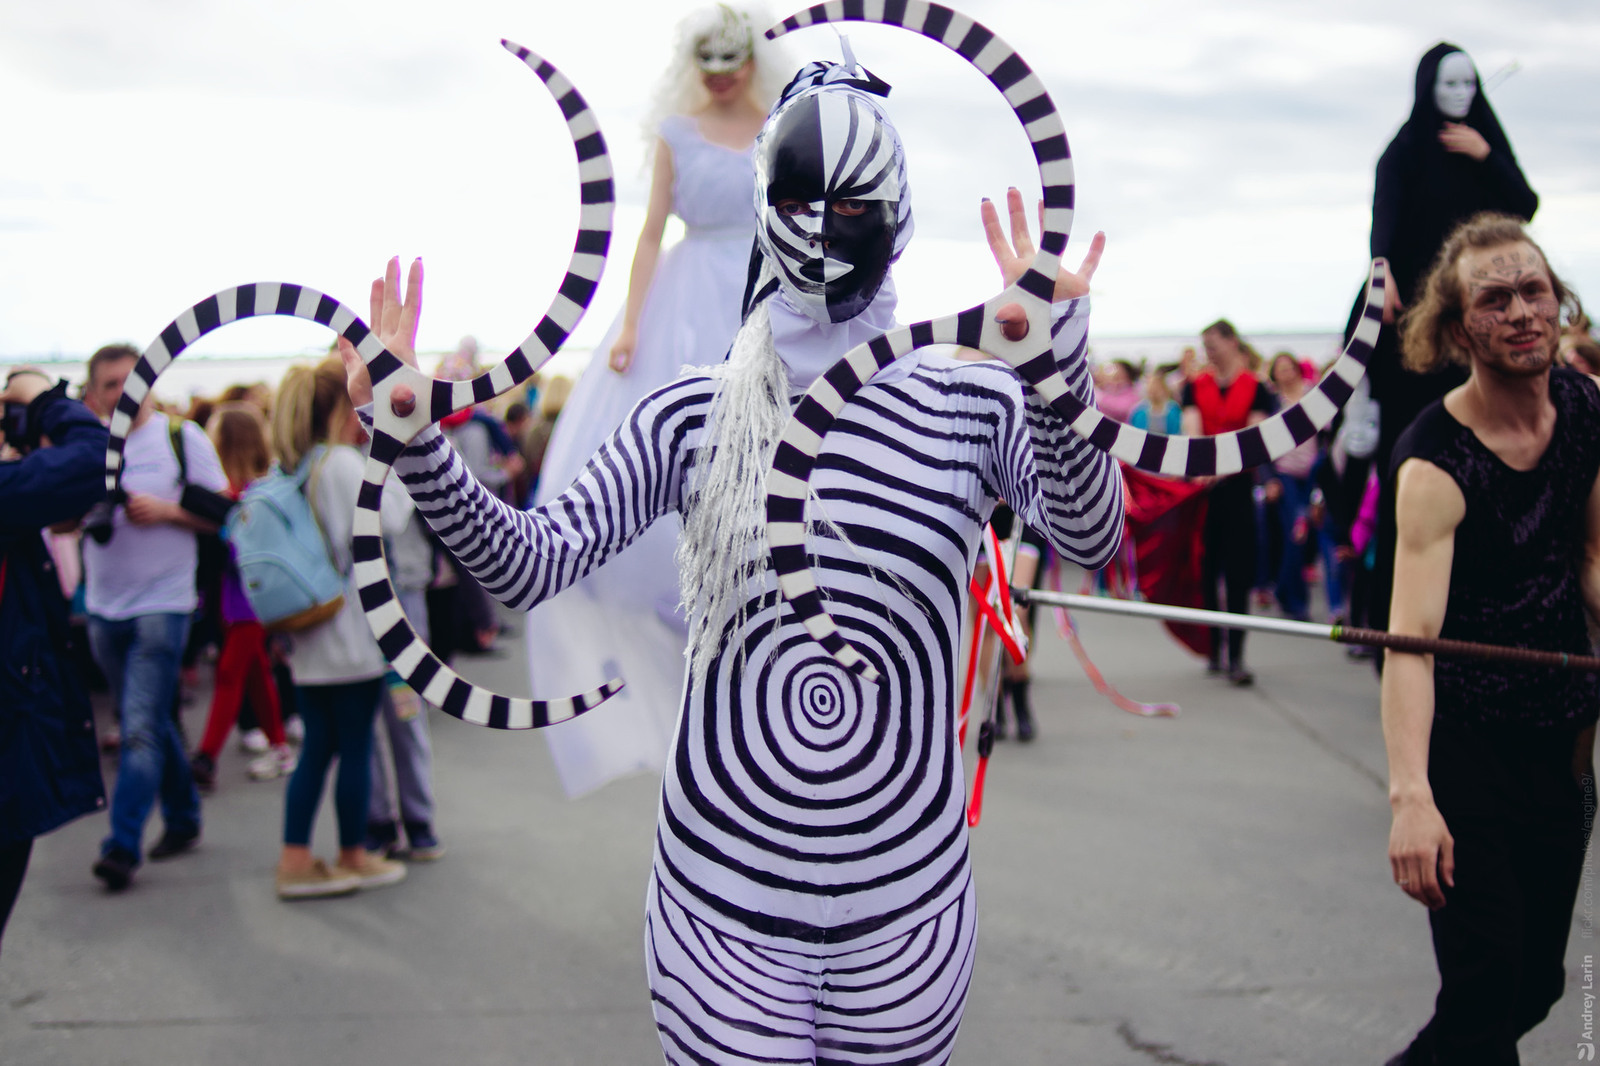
{"type": "Point", "coordinates": [1015, 255]}
{"type": "Point", "coordinates": [394, 320]}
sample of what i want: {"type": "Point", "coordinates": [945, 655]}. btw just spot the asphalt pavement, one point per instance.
{"type": "Point", "coordinates": [1209, 890]}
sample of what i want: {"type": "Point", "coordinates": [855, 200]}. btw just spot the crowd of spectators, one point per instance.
{"type": "Point", "coordinates": [1271, 537]}
{"type": "Point", "coordinates": [1296, 535]}
{"type": "Point", "coordinates": [151, 601]}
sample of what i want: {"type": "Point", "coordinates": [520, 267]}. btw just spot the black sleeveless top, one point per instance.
{"type": "Point", "coordinates": [1518, 557]}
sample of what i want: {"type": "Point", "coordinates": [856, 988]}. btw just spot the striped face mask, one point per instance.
{"type": "Point", "coordinates": [830, 194]}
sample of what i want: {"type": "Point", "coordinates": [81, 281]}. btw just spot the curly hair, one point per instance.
{"type": "Point", "coordinates": [680, 91]}
{"type": "Point", "coordinates": [1427, 342]}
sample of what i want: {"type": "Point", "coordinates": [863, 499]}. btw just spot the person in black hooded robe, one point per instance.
{"type": "Point", "coordinates": [1449, 162]}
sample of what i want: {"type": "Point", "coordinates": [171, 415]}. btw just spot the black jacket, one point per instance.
{"type": "Point", "coordinates": [49, 761]}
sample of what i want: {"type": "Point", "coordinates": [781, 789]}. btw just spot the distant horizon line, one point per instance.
{"type": "Point", "coordinates": [319, 352]}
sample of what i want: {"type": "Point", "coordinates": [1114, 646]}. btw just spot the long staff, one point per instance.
{"type": "Point", "coordinates": [1375, 638]}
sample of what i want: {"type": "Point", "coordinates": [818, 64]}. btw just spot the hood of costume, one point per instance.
{"type": "Point", "coordinates": [1439, 189]}
{"type": "Point", "coordinates": [819, 286]}
{"type": "Point", "coordinates": [825, 276]}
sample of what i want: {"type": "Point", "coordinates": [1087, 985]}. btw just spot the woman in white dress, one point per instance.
{"type": "Point", "coordinates": [682, 309]}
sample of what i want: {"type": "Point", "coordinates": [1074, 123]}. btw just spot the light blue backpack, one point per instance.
{"type": "Point", "coordinates": [282, 555]}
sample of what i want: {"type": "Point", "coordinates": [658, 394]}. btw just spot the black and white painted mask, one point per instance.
{"type": "Point", "coordinates": [831, 195]}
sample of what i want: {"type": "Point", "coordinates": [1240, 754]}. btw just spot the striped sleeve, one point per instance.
{"type": "Point", "coordinates": [1058, 482]}
{"type": "Point", "coordinates": [524, 557]}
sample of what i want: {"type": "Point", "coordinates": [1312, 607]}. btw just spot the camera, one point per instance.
{"type": "Point", "coordinates": [97, 522]}
{"type": "Point", "coordinates": [22, 432]}
{"type": "Point", "coordinates": [14, 424]}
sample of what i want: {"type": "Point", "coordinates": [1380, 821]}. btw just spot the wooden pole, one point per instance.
{"type": "Point", "coordinates": [1376, 638]}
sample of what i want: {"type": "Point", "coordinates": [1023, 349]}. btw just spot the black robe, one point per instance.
{"type": "Point", "coordinates": [1420, 195]}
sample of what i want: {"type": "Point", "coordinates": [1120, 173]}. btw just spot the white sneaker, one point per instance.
{"type": "Point", "coordinates": [295, 730]}
{"type": "Point", "coordinates": [279, 762]}
{"type": "Point", "coordinates": [254, 742]}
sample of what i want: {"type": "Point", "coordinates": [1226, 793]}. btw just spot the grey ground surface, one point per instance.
{"type": "Point", "coordinates": [1206, 890]}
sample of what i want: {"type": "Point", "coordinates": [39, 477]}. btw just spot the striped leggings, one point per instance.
{"type": "Point", "coordinates": [718, 999]}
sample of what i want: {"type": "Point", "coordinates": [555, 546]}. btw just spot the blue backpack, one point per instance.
{"type": "Point", "coordinates": [281, 553]}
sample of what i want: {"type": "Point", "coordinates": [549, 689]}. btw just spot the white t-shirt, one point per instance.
{"type": "Point", "coordinates": [150, 569]}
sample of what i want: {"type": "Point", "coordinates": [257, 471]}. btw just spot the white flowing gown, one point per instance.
{"type": "Point", "coordinates": [624, 620]}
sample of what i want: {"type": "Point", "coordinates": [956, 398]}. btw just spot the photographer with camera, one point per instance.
{"type": "Point", "coordinates": [139, 563]}
{"type": "Point", "coordinates": [49, 764]}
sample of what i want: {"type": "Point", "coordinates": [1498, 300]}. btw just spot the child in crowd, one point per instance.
{"type": "Point", "coordinates": [239, 433]}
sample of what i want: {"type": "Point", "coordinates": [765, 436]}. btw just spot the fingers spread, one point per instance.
{"type": "Point", "coordinates": [375, 306]}
{"type": "Point", "coordinates": [412, 309]}
{"type": "Point", "coordinates": [1091, 260]}
{"type": "Point", "coordinates": [355, 374]}
{"type": "Point", "coordinates": [1021, 239]}
{"type": "Point", "coordinates": [348, 353]}
{"type": "Point", "coordinates": [391, 298]}
{"type": "Point", "coordinates": [991, 229]}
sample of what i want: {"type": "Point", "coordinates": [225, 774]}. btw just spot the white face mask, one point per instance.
{"type": "Point", "coordinates": [1455, 86]}
{"type": "Point", "coordinates": [727, 46]}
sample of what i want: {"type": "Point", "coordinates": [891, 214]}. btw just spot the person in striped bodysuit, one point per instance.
{"type": "Point", "coordinates": [811, 898]}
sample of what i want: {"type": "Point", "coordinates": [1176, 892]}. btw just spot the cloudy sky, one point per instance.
{"type": "Point", "coordinates": [155, 152]}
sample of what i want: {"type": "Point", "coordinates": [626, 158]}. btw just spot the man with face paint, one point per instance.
{"type": "Point", "coordinates": [1449, 161]}
{"type": "Point", "coordinates": [1491, 764]}
{"type": "Point", "coordinates": [811, 898]}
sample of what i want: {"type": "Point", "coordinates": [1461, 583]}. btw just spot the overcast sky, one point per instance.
{"type": "Point", "coordinates": [155, 152]}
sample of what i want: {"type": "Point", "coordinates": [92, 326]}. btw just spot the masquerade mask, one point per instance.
{"type": "Point", "coordinates": [1455, 86]}
{"type": "Point", "coordinates": [830, 194]}
{"type": "Point", "coordinates": [727, 47]}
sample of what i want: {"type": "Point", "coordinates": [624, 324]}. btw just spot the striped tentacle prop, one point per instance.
{"type": "Point", "coordinates": [406, 651]}
{"type": "Point", "coordinates": [1032, 357]}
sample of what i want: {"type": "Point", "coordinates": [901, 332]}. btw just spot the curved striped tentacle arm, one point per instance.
{"type": "Point", "coordinates": [1032, 356]}
{"type": "Point", "coordinates": [405, 650]}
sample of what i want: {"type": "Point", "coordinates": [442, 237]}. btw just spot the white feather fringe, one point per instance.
{"type": "Point", "coordinates": [724, 531]}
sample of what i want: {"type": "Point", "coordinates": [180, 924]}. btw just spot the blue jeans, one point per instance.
{"type": "Point", "coordinates": [338, 721]}
{"type": "Point", "coordinates": [409, 743]}
{"type": "Point", "coordinates": [1293, 596]}
{"type": "Point", "coordinates": [141, 657]}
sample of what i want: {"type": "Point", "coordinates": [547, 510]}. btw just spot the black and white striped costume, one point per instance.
{"type": "Point", "coordinates": [812, 892]}
{"type": "Point", "coordinates": [812, 898]}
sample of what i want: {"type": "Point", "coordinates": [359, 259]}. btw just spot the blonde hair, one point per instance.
{"type": "Point", "coordinates": [311, 405]}
{"type": "Point", "coordinates": [239, 433]}
{"type": "Point", "coordinates": [553, 397]}
{"type": "Point", "coordinates": [680, 90]}
{"type": "Point", "coordinates": [1427, 342]}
